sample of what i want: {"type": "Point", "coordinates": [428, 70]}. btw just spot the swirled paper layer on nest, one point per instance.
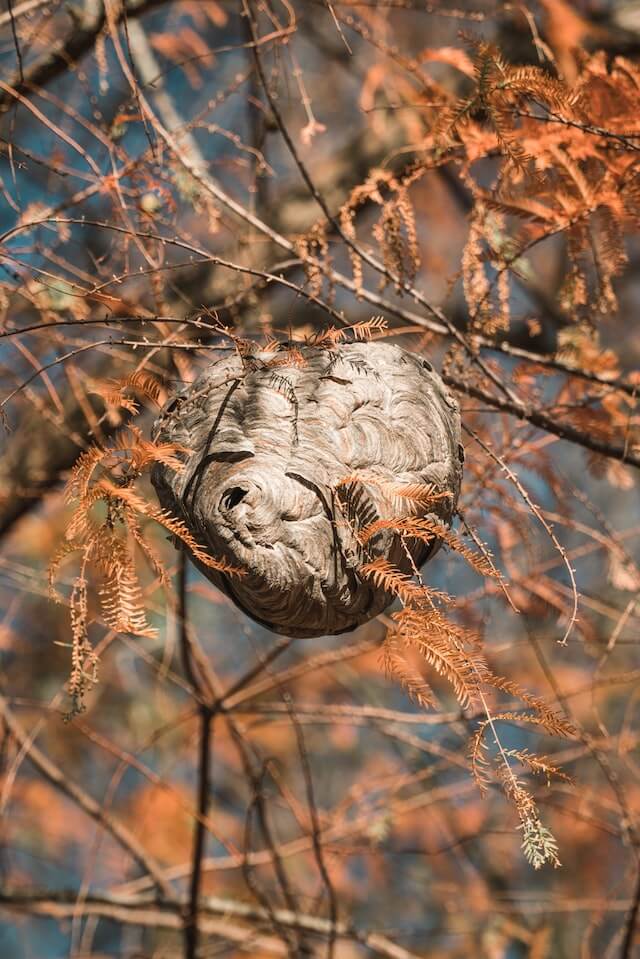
{"type": "Point", "coordinates": [271, 437]}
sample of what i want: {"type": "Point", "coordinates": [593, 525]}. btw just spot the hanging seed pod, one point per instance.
{"type": "Point", "coordinates": [293, 456]}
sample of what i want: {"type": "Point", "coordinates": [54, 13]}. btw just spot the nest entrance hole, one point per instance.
{"type": "Point", "coordinates": [233, 496]}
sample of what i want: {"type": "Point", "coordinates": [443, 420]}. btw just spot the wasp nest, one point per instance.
{"type": "Point", "coordinates": [291, 455]}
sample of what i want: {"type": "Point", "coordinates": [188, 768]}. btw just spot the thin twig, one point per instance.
{"type": "Point", "coordinates": [535, 510]}
{"type": "Point", "coordinates": [203, 777]}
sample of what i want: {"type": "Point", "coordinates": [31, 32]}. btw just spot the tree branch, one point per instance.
{"type": "Point", "coordinates": [76, 44]}
{"type": "Point", "coordinates": [203, 782]}
{"type": "Point", "coordinates": [61, 780]}
{"type": "Point", "coordinates": [143, 911]}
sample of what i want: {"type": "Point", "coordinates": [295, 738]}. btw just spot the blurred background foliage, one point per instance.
{"type": "Point", "coordinates": [126, 127]}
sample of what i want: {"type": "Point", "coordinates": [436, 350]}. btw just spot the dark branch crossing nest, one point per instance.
{"type": "Point", "coordinates": [272, 438]}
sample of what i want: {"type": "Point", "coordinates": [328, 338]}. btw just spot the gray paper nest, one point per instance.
{"type": "Point", "coordinates": [271, 437]}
